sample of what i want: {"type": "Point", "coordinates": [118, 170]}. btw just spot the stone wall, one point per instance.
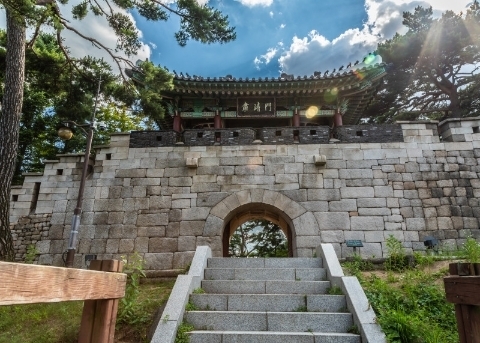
{"type": "Point", "coordinates": [369, 133]}
{"type": "Point", "coordinates": [32, 230]}
{"type": "Point", "coordinates": [205, 137]}
{"type": "Point", "coordinates": [148, 200]}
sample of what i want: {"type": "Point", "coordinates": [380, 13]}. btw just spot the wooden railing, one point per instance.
{"type": "Point", "coordinates": [100, 288]}
{"type": "Point", "coordinates": [462, 288]}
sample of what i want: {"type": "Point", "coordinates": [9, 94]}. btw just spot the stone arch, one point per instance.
{"type": "Point", "coordinates": [299, 224]}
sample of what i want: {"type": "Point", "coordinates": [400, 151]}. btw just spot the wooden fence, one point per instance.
{"type": "Point", "coordinates": [100, 288]}
{"type": "Point", "coordinates": [462, 288]}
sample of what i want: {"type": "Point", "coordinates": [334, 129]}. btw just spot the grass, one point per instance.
{"type": "Point", "coordinates": [60, 322]}
{"type": "Point", "coordinates": [408, 294]}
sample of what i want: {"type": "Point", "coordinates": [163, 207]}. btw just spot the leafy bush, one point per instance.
{"type": "Point", "coordinates": [31, 254]}
{"type": "Point", "coordinates": [182, 333]}
{"type": "Point", "coordinates": [130, 312]}
{"type": "Point", "coordinates": [357, 265]}
{"type": "Point", "coordinates": [411, 308]}
{"type": "Point", "coordinates": [396, 260]}
{"type": "Point", "coordinates": [471, 250]}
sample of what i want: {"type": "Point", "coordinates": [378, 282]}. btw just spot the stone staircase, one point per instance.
{"type": "Point", "coordinates": [268, 300]}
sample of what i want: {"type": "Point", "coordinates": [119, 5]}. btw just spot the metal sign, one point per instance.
{"type": "Point", "coordinates": [355, 243]}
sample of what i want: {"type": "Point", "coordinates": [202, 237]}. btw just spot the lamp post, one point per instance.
{"type": "Point", "coordinates": [65, 133]}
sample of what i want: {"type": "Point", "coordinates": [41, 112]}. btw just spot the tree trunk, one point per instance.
{"type": "Point", "coordinates": [456, 112]}
{"type": "Point", "coordinates": [9, 124]}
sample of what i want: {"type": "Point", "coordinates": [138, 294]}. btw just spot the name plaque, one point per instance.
{"type": "Point", "coordinates": [355, 243]}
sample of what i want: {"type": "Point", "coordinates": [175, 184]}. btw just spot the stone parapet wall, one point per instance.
{"type": "Point", "coordinates": [148, 200]}
{"type": "Point", "coordinates": [147, 139]}
{"type": "Point", "coordinates": [369, 133]}
{"type": "Point", "coordinates": [460, 129]}
{"type": "Point", "coordinates": [205, 137]}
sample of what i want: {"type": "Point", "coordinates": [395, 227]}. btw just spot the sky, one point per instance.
{"type": "Point", "coordinates": [273, 36]}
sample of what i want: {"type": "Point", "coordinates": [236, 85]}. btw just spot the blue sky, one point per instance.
{"type": "Point", "coordinates": [273, 36]}
{"type": "Point", "coordinates": [293, 36]}
{"type": "Point", "coordinates": [258, 28]}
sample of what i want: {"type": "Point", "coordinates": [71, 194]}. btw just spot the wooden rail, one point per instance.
{"type": "Point", "coordinates": [462, 288]}
{"type": "Point", "coordinates": [100, 288]}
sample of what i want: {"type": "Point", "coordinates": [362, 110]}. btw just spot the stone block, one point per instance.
{"type": "Point", "coordinates": [333, 220]}
{"type": "Point", "coordinates": [158, 261]}
{"type": "Point", "coordinates": [126, 246]}
{"type": "Point", "coordinates": [309, 181]}
{"type": "Point", "coordinates": [367, 223]}
{"type": "Point", "coordinates": [374, 236]}
{"type": "Point", "coordinates": [305, 225]}
{"type": "Point", "coordinates": [195, 213]}
{"type": "Point", "coordinates": [346, 205]}
{"type": "Point", "coordinates": [182, 259]}
{"type": "Point", "coordinates": [141, 244]}
{"type": "Point", "coordinates": [372, 202]}
{"type": "Point", "coordinates": [162, 245]}
{"type": "Point", "coordinates": [154, 219]}
{"type": "Point", "coordinates": [416, 224]}
{"type": "Point", "coordinates": [186, 243]}
{"type": "Point", "coordinates": [357, 192]}
{"type": "Point", "coordinates": [323, 194]}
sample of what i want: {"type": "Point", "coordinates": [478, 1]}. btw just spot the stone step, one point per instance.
{"type": "Point", "coordinates": [269, 302]}
{"type": "Point", "coordinates": [271, 337]}
{"type": "Point", "coordinates": [286, 274]}
{"type": "Point", "coordinates": [265, 287]}
{"type": "Point", "coordinates": [269, 262]}
{"type": "Point", "coordinates": [269, 321]}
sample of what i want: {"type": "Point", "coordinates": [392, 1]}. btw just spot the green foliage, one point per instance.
{"type": "Point", "coordinates": [426, 78]}
{"type": "Point", "coordinates": [412, 307]}
{"type": "Point", "coordinates": [31, 254]}
{"type": "Point", "coordinates": [335, 290]}
{"type": "Point", "coordinates": [130, 311]}
{"type": "Point", "coordinates": [191, 307]}
{"type": "Point", "coordinates": [198, 291]}
{"type": "Point", "coordinates": [258, 238]}
{"type": "Point", "coordinates": [396, 260]}
{"type": "Point", "coordinates": [471, 250]}
{"type": "Point", "coordinates": [182, 333]}
{"type": "Point", "coordinates": [357, 265]}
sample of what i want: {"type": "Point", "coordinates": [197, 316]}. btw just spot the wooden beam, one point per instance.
{"type": "Point", "coordinates": [28, 283]}
{"type": "Point", "coordinates": [462, 289]}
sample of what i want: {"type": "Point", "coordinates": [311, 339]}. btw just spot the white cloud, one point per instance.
{"type": "Point", "coordinates": [384, 18]}
{"type": "Point", "coordinates": [271, 14]}
{"type": "Point", "coordinates": [282, 26]}
{"type": "Point", "coordinates": [252, 3]}
{"type": "Point", "coordinates": [265, 58]}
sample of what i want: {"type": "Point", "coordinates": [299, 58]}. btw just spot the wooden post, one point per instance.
{"type": "Point", "coordinates": [217, 120]}
{"type": "Point", "coordinates": [337, 119]}
{"type": "Point", "coordinates": [177, 122]}
{"type": "Point", "coordinates": [296, 118]}
{"type": "Point", "coordinates": [463, 289]}
{"type": "Point", "coordinates": [99, 316]}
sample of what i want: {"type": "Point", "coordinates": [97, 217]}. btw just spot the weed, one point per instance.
{"type": "Point", "coordinates": [198, 291]}
{"type": "Point", "coordinates": [165, 319]}
{"type": "Point", "coordinates": [396, 260]}
{"type": "Point", "coordinates": [298, 279]}
{"type": "Point", "coordinates": [182, 333]}
{"type": "Point", "coordinates": [354, 330]}
{"type": "Point", "coordinates": [471, 250]}
{"type": "Point", "coordinates": [411, 307]}
{"type": "Point", "coordinates": [357, 265]}
{"type": "Point", "coordinates": [335, 290]}
{"type": "Point", "coordinates": [129, 310]}
{"type": "Point", "coordinates": [301, 309]}
{"type": "Point", "coordinates": [191, 307]}
{"type": "Point", "coordinates": [31, 253]}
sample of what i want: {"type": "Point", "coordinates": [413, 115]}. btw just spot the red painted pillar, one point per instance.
{"type": "Point", "coordinates": [296, 118]}
{"type": "Point", "coordinates": [217, 120]}
{"type": "Point", "coordinates": [177, 122]}
{"type": "Point", "coordinates": [337, 119]}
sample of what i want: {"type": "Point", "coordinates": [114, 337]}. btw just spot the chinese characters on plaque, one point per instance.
{"type": "Point", "coordinates": [256, 107]}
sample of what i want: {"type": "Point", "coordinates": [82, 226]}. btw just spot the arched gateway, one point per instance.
{"type": "Point", "coordinates": [299, 225]}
